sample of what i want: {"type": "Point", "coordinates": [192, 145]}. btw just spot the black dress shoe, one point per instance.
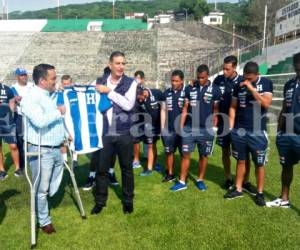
{"type": "Point", "coordinates": [127, 208]}
{"type": "Point", "coordinates": [97, 209]}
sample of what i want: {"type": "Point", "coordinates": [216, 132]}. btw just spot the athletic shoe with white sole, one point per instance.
{"type": "Point", "coordinates": [278, 203]}
{"type": "Point", "coordinates": [178, 187]}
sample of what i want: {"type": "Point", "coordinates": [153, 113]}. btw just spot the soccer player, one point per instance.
{"type": "Point", "coordinates": [20, 89]}
{"type": "Point", "coordinates": [226, 82]}
{"type": "Point", "coordinates": [288, 139]}
{"type": "Point", "coordinates": [8, 129]}
{"type": "Point", "coordinates": [171, 110]}
{"type": "Point", "coordinates": [199, 117]}
{"type": "Point", "coordinates": [139, 76]}
{"type": "Point", "coordinates": [149, 103]}
{"type": "Point", "coordinates": [248, 123]}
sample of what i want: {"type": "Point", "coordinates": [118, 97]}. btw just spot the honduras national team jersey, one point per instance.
{"type": "Point", "coordinates": [83, 118]}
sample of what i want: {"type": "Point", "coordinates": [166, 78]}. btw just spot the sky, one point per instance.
{"type": "Point", "coordinates": [42, 4]}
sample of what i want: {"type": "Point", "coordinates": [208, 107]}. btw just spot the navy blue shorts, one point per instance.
{"type": "Point", "coordinates": [223, 138]}
{"type": "Point", "coordinates": [254, 143]}
{"type": "Point", "coordinates": [8, 134]}
{"type": "Point", "coordinates": [288, 147]}
{"type": "Point", "coordinates": [203, 138]}
{"type": "Point", "coordinates": [146, 139]}
{"type": "Point", "coordinates": [171, 142]}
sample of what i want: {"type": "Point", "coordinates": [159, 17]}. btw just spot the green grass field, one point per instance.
{"type": "Point", "coordinates": [162, 220]}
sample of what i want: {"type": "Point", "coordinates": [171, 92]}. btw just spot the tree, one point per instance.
{"type": "Point", "coordinates": [198, 8]}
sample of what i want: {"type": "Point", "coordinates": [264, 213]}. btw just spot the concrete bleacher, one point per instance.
{"type": "Point", "coordinates": [12, 47]}
{"type": "Point", "coordinates": [71, 53]}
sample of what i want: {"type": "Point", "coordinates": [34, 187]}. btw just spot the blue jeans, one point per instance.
{"type": "Point", "coordinates": [49, 181]}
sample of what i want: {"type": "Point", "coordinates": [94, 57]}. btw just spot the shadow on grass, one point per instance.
{"type": "Point", "coordinates": [3, 198]}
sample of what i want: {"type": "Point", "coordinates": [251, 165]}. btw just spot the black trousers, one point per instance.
{"type": "Point", "coordinates": [20, 141]}
{"type": "Point", "coordinates": [122, 146]}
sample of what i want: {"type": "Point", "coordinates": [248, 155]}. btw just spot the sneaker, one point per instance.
{"type": "Point", "coordinates": [260, 199]}
{"type": "Point", "coordinates": [3, 175]}
{"type": "Point", "coordinates": [89, 184]}
{"type": "Point", "coordinates": [136, 164]}
{"type": "Point", "coordinates": [19, 173]}
{"type": "Point", "coordinates": [228, 184]}
{"type": "Point", "coordinates": [201, 186]}
{"type": "Point", "coordinates": [232, 194]}
{"type": "Point", "coordinates": [249, 188]}
{"type": "Point", "coordinates": [169, 178]}
{"type": "Point", "coordinates": [75, 164]}
{"type": "Point", "coordinates": [112, 179]}
{"type": "Point", "coordinates": [146, 173]}
{"type": "Point", "coordinates": [178, 187]}
{"type": "Point", "coordinates": [278, 203]}
{"type": "Point", "coordinates": [157, 168]}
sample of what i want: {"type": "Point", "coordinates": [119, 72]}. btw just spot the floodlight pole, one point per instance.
{"type": "Point", "coordinates": [58, 9]}
{"type": "Point", "coordinates": [265, 26]}
{"type": "Point", "coordinates": [113, 9]}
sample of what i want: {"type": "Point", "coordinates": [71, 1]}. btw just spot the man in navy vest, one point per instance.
{"type": "Point", "coordinates": [227, 82]}
{"type": "Point", "coordinates": [288, 139]}
{"type": "Point", "coordinates": [171, 110]}
{"type": "Point", "coordinates": [248, 123]}
{"type": "Point", "coordinates": [117, 140]}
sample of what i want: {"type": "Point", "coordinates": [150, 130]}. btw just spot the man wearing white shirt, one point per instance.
{"type": "Point", "coordinates": [117, 139]}
{"type": "Point", "coordinates": [20, 89]}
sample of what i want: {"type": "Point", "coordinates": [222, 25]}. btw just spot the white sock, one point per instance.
{"type": "Point", "coordinates": [74, 156]}
{"type": "Point", "coordinates": [92, 174]}
{"type": "Point", "coordinates": [182, 182]}
{"type": "Point", "coordinates": [65, 157]}
{"type": "Point", "coordinates": [199, 180]}
{"type": "Point", "coordinates": [111, 171]}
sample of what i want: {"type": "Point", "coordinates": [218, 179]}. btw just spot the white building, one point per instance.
{"type": "Point", "coordinates": [214, 18]}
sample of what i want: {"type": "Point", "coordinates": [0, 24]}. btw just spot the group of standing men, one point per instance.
{"type": "Point", "coordinates": [233, 108]}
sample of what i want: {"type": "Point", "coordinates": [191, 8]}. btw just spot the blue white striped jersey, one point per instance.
{"type": "Point", "coordinates": [83, 118]}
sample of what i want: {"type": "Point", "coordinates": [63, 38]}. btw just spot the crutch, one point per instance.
{"type": "Point", "coordinates": [32, 183]}
{"type": "Point", "coordinates": [72, 175]}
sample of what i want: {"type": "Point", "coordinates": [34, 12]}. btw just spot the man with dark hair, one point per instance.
{"type": "Point", "coordinates": [121, 90]}
{"type": "Point", "coordinates": [171, 110]}
{"type": "Point", "coordinates": [148, 101]}
{"type": "Point", "coordinates": [288, 140]}
{"type": "Point", "coordinates": [227, 82]}
{"type": "Point", "coordinates": [43, 115]}
{"type": "Point", "coordinates": [248, 123]}
{"type": "Point", "coordinates": [139, 76]}
{"type": "Point", "coordinates": [199, 117]}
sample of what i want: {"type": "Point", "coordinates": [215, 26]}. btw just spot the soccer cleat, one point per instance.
{"type": "Point", "coordinates": [249, 188]}
{"type": "Point", "coordinates": [89, 184]}
{"type": "Point", "coordinates": [146, 173]}
{"type": "Point", "coordinates": [3, 175]}
{"type": "Point", "coordinates": [178, 187]}
{"type": "Point", "coordinates": [201, 186]}
{"type": "Point", "coordinates": [157, 167]}
{"type": "Point", "coordinates": [278, 203]}
{"type": "Point", "coordinates": [169, 178]}
{"type": "Point", "coordinates": [112, 179]}
{"type": "Point", "coordinates": [260, 199]}
{"type": "Point", "coordinates": [136, 164]}
{"type": "Point", "coordinates": [228, 184]}
{"type": "Point", "coordinates": [232, 194]}
{"type": "Point", "coordinates": [19, 173]}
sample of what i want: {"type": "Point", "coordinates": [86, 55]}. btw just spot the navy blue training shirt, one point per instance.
{"type": "Point", "coordinates": [247, 117]}
{"type": "Point", "coordinates": [6, 115]}
{"type": "Point", "coordinates": [201, 102]}
{"type": "Point", "coordinates": [174, 104]}
{"type": "Point", "coordinates": [291, 94]}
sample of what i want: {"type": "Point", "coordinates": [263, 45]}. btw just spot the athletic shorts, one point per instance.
{"type": "Point", "coordinates": [252, 143]}
{"type": "Point", "coordinates": [288, 147]}
{"type": "Point", "coordinates": [202, 138]}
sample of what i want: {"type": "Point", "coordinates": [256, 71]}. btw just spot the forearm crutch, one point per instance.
{"type": "Point", "coordinates": [72, 175]}
{"type": "Point", "coordinates": [32, 183]}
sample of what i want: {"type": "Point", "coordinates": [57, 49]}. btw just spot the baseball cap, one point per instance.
{"type": "Point", "coordinates": [20, 71]}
